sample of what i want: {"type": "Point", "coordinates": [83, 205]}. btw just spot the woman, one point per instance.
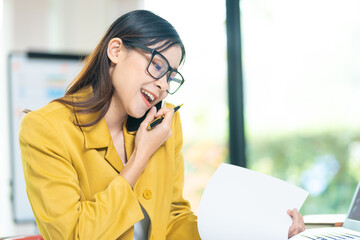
{"type": "Point", "coordinates": [92, 169]}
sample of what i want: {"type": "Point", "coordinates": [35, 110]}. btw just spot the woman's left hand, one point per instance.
{"type": "Point", "coordinates": [298, 223]}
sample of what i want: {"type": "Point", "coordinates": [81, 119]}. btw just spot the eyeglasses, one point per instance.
{"type": "Point", "coordinates": [159, 66]}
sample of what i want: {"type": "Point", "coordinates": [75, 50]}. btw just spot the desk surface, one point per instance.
{"type": "Point", "coordinates": [324, 220]}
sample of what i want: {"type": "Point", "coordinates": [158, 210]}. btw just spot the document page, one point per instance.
{"type": "Point", "coordinates": [239, 203]}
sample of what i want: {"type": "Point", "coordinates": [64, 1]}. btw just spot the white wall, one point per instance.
{"type": "Point", "coordinates": [46, 25]}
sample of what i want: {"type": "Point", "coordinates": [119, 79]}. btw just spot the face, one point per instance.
{"type": "Point", "coordinates": [136, 91]}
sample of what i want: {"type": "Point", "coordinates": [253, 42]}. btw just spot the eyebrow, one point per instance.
{"type": "Point", "coordinates": [151, 50]}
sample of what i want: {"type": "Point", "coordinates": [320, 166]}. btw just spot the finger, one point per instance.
{"type": "Point", "coordinates": [150, 116]}
{"type": "Point", "coordinates": [297, 217]}
{"type": "Point", "coordinates": [302, 223]}
{"type": "Point", "coordinates": [293, 230]}
{"type": "Point", "coordinates": [163, 111]}
{"type": "Point", "coordinates": [294, 216]}
{"type": "Point", "coordinates": [299, 225]}
{"type": "Point", "coordinates": [289, 212]}
{"type": "Point", "coordinates": [168, 116]}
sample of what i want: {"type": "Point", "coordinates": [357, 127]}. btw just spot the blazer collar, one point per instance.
{"type": "Point", "coordinates": [98, 135]}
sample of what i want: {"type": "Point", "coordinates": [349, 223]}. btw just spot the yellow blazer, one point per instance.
{"type": "Point", "coordinates": [76, 192]}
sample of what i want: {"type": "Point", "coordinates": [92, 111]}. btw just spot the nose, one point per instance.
{"type": "Point", "coordinates": [162, 83]}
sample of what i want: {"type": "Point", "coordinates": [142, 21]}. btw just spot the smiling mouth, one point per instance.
{"type": "Point", "coordinates": [148, 96]}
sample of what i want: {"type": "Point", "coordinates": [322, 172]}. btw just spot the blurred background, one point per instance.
{"type": "Point", "coordinates": [301, 78]}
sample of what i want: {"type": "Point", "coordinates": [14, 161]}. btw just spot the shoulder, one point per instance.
{"type": "Point", "coordinates": [52, 112]}
{"type": "Point", "coordinates": [51, 117]}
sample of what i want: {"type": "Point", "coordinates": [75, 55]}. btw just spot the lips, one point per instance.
{"type": "Point", "coordinates": [149, 97]}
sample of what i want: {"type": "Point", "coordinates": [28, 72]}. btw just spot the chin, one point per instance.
{"type": "Point", "coordinates": [137, 114]}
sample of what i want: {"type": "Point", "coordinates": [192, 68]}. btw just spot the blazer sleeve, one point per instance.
{"type": "Point", "coordinates": [53, 189]}
{"type": "Point", "coordinates": [182, 222]}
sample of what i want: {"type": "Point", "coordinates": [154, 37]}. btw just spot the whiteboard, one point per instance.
{"type": "Point", "coordinates": [34, 80]}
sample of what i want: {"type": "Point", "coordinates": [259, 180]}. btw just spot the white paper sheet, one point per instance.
{"type": "Point", "coordinates": [239, 203]}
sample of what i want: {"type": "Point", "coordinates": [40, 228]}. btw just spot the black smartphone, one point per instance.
{"type": "Point", "coordinates": [133, 124]}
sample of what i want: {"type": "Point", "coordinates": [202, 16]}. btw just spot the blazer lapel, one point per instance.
{"type": "Point", "coordinates": [129, 141]}
{"type": "Point", "coordinates": [98, 137]}
{"type": "Point", "coordinates": [113, 157]}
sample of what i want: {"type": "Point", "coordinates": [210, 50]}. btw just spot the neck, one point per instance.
{"type": "Point", "coordinates": [115, 117]}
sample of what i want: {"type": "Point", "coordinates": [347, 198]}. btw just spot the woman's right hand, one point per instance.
{"type": "Point", "coordinates": [147, 142]}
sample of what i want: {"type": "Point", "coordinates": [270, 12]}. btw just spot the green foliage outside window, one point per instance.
{"type": "Point", "coordinates": [326, 163]}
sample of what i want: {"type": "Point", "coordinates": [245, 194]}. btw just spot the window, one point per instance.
{"type": "Point", "coordinates": [301, 62]}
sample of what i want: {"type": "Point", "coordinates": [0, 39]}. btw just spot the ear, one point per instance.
{"type": "Point", "coordinates": [113, 49]}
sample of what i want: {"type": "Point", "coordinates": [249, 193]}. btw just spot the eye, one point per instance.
{"type": "Point", "coordinates": [157, 66]}
{"type": "Point", "coordinates": [172, 77]}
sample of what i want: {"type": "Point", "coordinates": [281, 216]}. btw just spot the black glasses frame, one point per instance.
{"type": "Point", "coordinates": [170, 69]}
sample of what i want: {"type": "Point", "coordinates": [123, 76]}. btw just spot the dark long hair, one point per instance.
{"type": "Point", "coordinates": [140, 26]}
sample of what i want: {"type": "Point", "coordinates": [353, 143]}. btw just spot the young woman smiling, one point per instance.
{"type": "Point", "coordinates": [92, 169]}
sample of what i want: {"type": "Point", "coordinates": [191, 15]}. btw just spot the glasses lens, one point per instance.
{"type": "Point", "coordinates": [158, 66]}
{"type": "Point", "coordinates": [175, 81]}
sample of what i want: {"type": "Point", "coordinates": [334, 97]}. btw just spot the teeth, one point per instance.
{"type": "Point", "coordinates": [148, 94]}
